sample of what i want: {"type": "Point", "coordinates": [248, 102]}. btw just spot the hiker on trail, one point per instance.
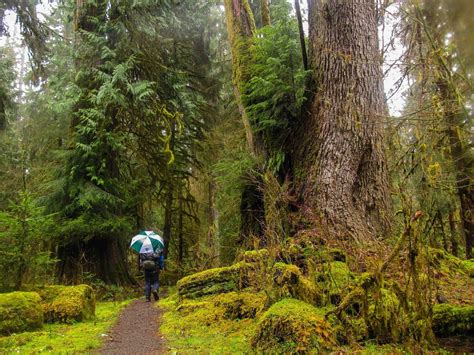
{"type": "Point", "coordinates": [152, 263]}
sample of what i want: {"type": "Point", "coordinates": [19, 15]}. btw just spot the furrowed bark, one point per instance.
{"type": "Point", "coordinates": [339, 166]}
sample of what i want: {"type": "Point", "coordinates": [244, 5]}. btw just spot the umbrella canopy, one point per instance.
{"type": "Point", "coordinates": [147, 242]}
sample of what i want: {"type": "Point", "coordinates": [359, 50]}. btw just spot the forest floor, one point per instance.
{"type": "Point", "coordinates": [136, 331]}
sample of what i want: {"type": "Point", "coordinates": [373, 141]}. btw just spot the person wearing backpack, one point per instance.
{"type": "Point", "coordinates": [151, 263]}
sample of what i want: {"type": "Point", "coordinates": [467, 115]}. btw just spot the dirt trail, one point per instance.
{"type": "Point", "coordinates": [136, 331]}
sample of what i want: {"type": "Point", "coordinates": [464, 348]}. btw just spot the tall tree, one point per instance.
{"type": "Point", "coordinates": [241, 29]}
{"type": "Point", "coordinates": [339, 163]}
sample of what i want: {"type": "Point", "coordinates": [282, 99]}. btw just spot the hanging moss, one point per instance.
{"type": "Point", "coordinates": [72, 303]}
{"type": "Point", "coordinates": [335, 279]}
{"type": "Point", "coordinates": [20, 311]}
{"type": "Point", "coordinates": [385, 318]}
{"type": "Point", "coordinates": [289, 282]}
{"type": "Point", "coordinates": [449, 319]}
{"type": "Point", "coordinates": [213, 281]}
{"type": "Point", "coordinates": [292, 326]}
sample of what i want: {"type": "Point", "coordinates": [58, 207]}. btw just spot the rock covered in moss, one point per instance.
{"type": "Point", "coordinates": [240, 305]}
{"type": "Point", "coordinates": [213, 281]}
{"type": "Point", "coordinates": [67, 304]}
{"type": "Point", "coordinates": [449, 319]}
{"type": "Point", "coordinates": [20, 311]}
{"type": "Point", "coordinates": [289, 282]}
{"type": "Point", "coordinates": [292, 326]}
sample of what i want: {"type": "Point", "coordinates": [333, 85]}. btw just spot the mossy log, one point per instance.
{"type": "Point", "coordinates": [213, 281]}
{"type": "Point", "coordinates": [449, 320]}
{"type": "Point", "coordinates": [66, 304]}
{"type": "Point", "coordinates": [20, 311]}
{"type": "Point", "coordinates": [292, 326]}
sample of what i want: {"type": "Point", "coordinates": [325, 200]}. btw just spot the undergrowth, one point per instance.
{"type": "Point", "coordinates": [64, 339]}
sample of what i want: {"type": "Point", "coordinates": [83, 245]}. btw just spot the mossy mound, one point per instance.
{"type": "Point", "coordinates": [240, 305]}
{"type": "Point", "coordinates": [292, 326]}
{"type": "Point", "coordinates": [67, 304]}
{"type": "Point", "coordinates": [213, 281]}
{"type": "Point", "coordinates": [450, 319]}
{"type": "Point", "coordinates": [289, 282]}
{"type": "Point", "coordinates": [20, 311]}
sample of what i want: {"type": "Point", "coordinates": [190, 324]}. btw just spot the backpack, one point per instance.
{"type": "Point", "coordinates": [149, 263]}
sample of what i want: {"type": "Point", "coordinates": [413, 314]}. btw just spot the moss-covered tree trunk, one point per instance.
{"type": "Point", "coordinates": [241, 29]}
{"type": "Point", "coordinates": [339, 163]}
{"type": "Point", "coordinates": [265, 10]}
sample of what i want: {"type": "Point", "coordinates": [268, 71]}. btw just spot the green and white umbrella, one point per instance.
{"type": "Point", "coordinates": [147, 242]}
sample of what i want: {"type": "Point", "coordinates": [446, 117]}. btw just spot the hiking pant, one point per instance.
{"type": "Point", "coordinates": [151, 283]}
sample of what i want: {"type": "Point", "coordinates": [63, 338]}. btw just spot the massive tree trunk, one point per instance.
{"type": "Point", "coordinates": [339, 164]}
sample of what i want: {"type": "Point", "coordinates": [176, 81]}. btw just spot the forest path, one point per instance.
{"type": "Point", "coordinates": [136, 331]}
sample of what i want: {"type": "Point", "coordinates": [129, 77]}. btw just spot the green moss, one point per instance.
{"type": "Point", "coordinates": [292, 326]}
{"type": "Point", "coordinates": [449, 264]}
{"type": "Point", "coordinates": [72, 303]}
{"type": "Point", "coordinates": [255, 256]}
{"type": "Point", "coordinates": [385, 318]}
{"type": "Point", "coordinates": [204, 325]}
{"type": "Point", "coordinates": [468, 265]}
{"type": "Point", "coordinates": [289, 282]}
{"type": "Point", "coordinates": [20, 311]}
{"type": "Point", "coordinates": [213, 281]}
{"type": "Point", "coordinates": [77, 338]}
{"type": "Point", "coordinates": [49, 293]}
{"type": "Point", "coordinates": [450, 319]}
{"type": "Point", "coordinates": [239, 305]}
{"type": "Point", "coordinates": [334, 279]}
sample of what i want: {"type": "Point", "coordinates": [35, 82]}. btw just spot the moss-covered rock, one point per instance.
{"type": "Point", "coordinates": [452, 320]}
{"type": "Point", "coordinates": [292, 326]}
{"type": "Point", "coordinates": [289, 282]}
{"type": "Point", "coordinates": [213, 281]}
{"type": "Point", "coordinates": [66, 304]}
{"type": "Point", "coordinates": [239, 305]}
{"type": "Point", "coordinates": [20, 311]}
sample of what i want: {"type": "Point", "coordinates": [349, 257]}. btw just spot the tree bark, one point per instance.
{"type": "Point", "coordinates": [340, 167]}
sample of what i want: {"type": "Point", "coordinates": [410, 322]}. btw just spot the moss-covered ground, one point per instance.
{"type": "Point", "coordinates": [201, 326]}
{"type": "Point", "coordinates": [80, 337]}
